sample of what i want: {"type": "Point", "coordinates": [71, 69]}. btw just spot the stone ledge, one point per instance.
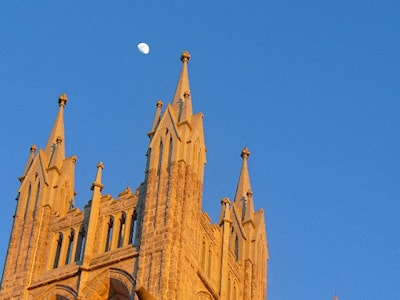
{"type": "Point", "coordinates": [54, 275]}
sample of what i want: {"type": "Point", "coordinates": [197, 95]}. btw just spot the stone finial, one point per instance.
{"type": "Point", "coordinates": [159, 103]}
{"type": "Point", "coordinates": [98, 181]}
{"type": "Point", "coordinates": [185, 57]}
{"type": "Point", "coordinates": [33, 149]}
{"type": "Point", "coordinates": [245, 153]}
{"type": "Point", "coordinates": [225, 213]}
{"type": "Point", "coordinates": [225, 201]}
{"type": "Point", "coordinates": [63, 99]}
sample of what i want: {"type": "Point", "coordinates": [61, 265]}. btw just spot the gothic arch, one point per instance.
{"type": "Point", "coordinates": [60, 292]}
{"type": "Point", "coordinates": [123, 276]}
{"type": "Point", "coordinates": [204, 296]}
{"type": "Point", "coordinates": [110, 284]}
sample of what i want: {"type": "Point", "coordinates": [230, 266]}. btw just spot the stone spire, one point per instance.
{"type": "Point", "coordinates": [244, 192]}
{"type": "Point", "coordinates": [57, 136]}
{"type": "Point", "coordinates": [182, 102]}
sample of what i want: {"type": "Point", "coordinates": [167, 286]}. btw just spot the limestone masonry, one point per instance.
{"type": "Point", "coordinates": [154, 242]}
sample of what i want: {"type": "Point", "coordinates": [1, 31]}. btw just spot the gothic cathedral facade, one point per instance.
{"type": "Point", "coordinates": [154, 242]}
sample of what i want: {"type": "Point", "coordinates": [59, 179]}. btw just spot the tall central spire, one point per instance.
{"type": "Point", "coordinates": [57, 136]}
{"type": "Point", "coordinates": [182, 100]}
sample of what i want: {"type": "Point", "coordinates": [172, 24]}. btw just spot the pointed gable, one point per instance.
{"type": "Point", "coordinates": [167, 122]}
{"type": "Point", "coordinates": [30, 161]}
{"type": "Point", "coordinates": [157, 118]}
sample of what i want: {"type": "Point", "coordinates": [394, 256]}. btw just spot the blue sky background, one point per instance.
{"type": "Point", "coordinates": [311, 87]}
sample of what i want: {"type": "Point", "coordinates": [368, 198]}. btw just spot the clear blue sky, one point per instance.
{"type": "Point", "coordinates": [311, 87]}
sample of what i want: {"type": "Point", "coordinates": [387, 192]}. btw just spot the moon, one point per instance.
{"type": "Point", "coordinates": [144, 48]}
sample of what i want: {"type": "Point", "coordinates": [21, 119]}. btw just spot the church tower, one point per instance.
{"type": "Point", "coordinates": [172, 194]}
{"type": "Point", "coordinates": [155, 242]}
{"type": "Point", "coordinates": [47, 188]}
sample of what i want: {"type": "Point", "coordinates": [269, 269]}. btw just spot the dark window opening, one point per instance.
{"type": "Point", "coordinates": [58, 251]}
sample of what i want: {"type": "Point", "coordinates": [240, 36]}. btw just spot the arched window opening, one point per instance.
{"type": "Point", "coordinates": [133, 229]}
{"type": "Point", "coordinates": [28, 200]}
{"type": "Point", "coordinates": [81, 245]}
{"type": "Point", "coordinates": [58, 250]}
{"type": "Point", "coordinates": [37, 199]}
{"type": "Point", "coordinates": [236, 247]}
{"type": "Point", "coordinates": [231, 239]}
{"type": "Point", "coordinates": [70, 247]}
{"type": "Point", "coordinates": [160, 158]}
{"type": "Point", "coordinates": [121, 230]}
{"type": "Point", "coordinates": [110, 228]}
{"type": "Point", "coordinates": [118, 290]}
{"type": "Point", "coordinates": [169, 155]}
